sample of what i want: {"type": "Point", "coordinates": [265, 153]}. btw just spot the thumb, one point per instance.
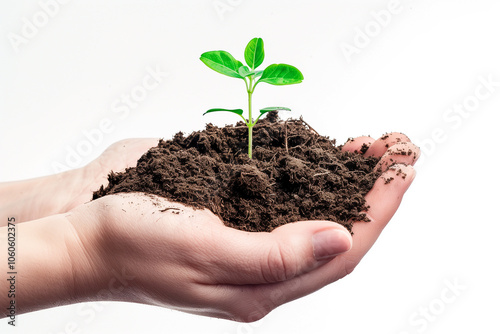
{"type": "Point", "coordinates": [288, 251]}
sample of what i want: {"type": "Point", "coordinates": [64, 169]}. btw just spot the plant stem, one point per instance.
{"type": "Point", "coordinates": [250, 119]}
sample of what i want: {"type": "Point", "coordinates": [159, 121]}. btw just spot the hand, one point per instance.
{"type": "Point", "coordinates": [186, 259]}
{"type": "Point", "coordinates": [41, 197]}
{"type": "Point", "coordinates": [116, 158]}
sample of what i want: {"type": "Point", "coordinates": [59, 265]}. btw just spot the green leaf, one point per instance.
{"type": "Point", "coordinates": [268, 109]}
{"type": "Point", "coordinates": [258, 73]}
{"type": "Point", "coordinates": [281, 74]}
{"type": "Point", "coordinates": [254, 53]}
{"type": "Point", "coordinates": [236, 111]}
{"type": "Point", "coordinates": [222, 62]}
{"type": "Point", "coordinates": [244, 71]}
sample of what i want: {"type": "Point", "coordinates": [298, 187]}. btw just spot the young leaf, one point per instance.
{"type": "Point", "coordinates": [258, 73]}
{"type": "Point", "coordinates": [254, 53]}
{"type": "Point", "coordinates": [236, 111]}
{"type": "Point", "coordinates": [222, 62]}
{"type": "Point", "coordinates": [244, 71]}
{"type": "Point", "coordinates": [268, 109]}
{"type": "Point", "coordinates": [281, 74]}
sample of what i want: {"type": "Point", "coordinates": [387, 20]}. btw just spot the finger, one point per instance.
{"type": "Point", "coordinates": [118, 157]}
{"type": "Point", "coordinates": [133, 149]}
{"type": "Point", "coordinates": [380, 146]}
{"type": "Point", "coordinates": [238, 257]}
{"type": "Point", "coordinates": [383, 201]}
{"type": "Point", "coordinates": [399, 153]}
{"type": "Point", "coordinates": [358, 145]}
{"type": "Point", "coordinates": [125, 153]}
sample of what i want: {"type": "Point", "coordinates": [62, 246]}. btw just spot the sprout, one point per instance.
{"type": "Point", "coordinates": [276, 74]}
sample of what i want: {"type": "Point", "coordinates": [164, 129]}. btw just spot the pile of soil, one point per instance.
{"type": "Point", "coordinates": [295, 174]}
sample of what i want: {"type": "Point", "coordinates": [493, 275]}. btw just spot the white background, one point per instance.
{"type": "Point", "coordinates": [405, 75]}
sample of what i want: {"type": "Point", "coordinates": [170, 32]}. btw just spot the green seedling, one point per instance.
{"type": "Point", "coordinates": [276, 74]}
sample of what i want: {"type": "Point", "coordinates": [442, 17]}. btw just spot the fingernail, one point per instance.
{"type": "Point", "coordinates": [329, 243]}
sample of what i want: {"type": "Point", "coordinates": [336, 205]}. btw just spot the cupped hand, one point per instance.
{"type": "Point", "coordinates": [186, 259]}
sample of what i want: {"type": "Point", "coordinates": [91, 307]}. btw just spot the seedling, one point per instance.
{"type": "Point", "coordinates": [276, 74]}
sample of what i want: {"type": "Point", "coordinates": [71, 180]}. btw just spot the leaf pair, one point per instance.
{"type": "Point", "coordinates": [240, 111]}
{"type": "Point", "coordinates": [276, 74]}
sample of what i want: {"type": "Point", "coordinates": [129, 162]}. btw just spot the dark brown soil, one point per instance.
{"type": "Point", "coordinates": [295, 175]}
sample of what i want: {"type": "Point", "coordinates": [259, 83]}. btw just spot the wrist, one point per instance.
{"type": "Point", "coordinates": [99, 272]}
{"type": "Point", "coordinates": [62, 259]}
{"type": "Point", "coordinates": [43, 264]}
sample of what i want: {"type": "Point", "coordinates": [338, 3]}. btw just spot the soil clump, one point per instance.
{"type": "Point", "coordinates": [295, 174]}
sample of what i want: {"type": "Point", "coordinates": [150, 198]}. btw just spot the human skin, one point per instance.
{"type": "Point", "coordinates": [145, 249]}
{"type": "Point", "coordinates": [28, 200]}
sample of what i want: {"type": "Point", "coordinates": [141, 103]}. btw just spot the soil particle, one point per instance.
{"type": "Point", "coordinates": [295, 174]}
